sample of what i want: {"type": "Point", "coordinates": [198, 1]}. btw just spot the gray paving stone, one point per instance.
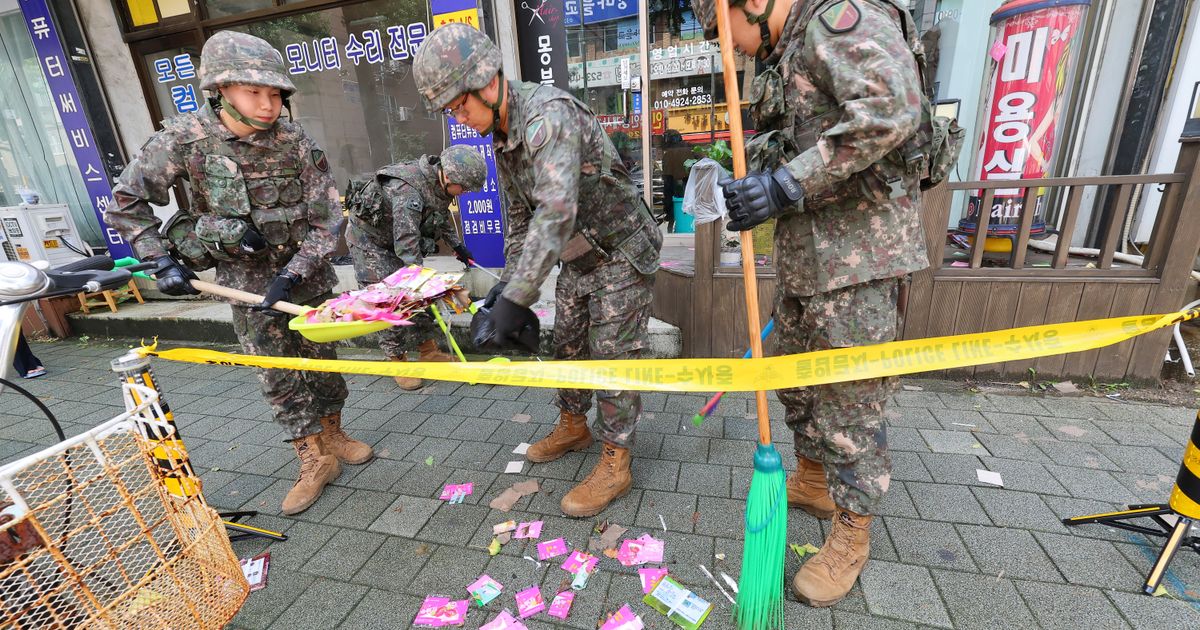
{"type": "Point", "coordinates": [1139, 459]}
{"type": "Point", "coordinates": [911, 417]}
{"type": "Point", "coordinates": [396, 446]}
{"type": "Point", "coordinates": [725, 518]}
{"type": "Point", "coordinates": [1068, 606]}
{"type": "Point", "coordinates": [1011, 552]}
{"type": "Point", "coordinates": [684, 448]}
{"type": "Point", "coordinates": [405, 516]}
{"type": "Point", "coordinates": [360, 509]}
{"type": "Point", "coordinates": [424, 480]}
{"type": "Point", "coordinates": [980, 602]}
{"type": "Point", "coordinates": [960, 442]}
{"type": "Point", "coordinates": [651, 474]}
{"type": "Point", "coordinates": [323, 605]}
{"type": "Point", "coordinates": [1015, 424]}
{"type": "Point", "coordinates": [897, 502]}
{"type": "Point", "coordinates": [1007, 447]}
{"type": "Point", "coordinates": [928, 544]}
{"type": "Point", "coordinates": [1152, 613]}
{"type": "Point", "coordinates": [1067, 507]}
{"type": "Point", "coordinates": [1148, 488]}
{"type": "Point", "coordinates": [1084, 483]}
{"type": "Point", "coordinates": [380, 610]}
{"type": "Point", "coordinates": [908, 467]}
{"type": "Point", "coordinates": [453, 524]}
{"type": "Point", "coordinates": [918, 399]}
{"type": "Point", "coordinates": [448, 570]}
{"type": "Point", "coordinates": [904, 592]}
{"type": "Point", "coordinates": [962, 420]}
{"type": "Point", "coordinates": [1019, 404]}
{"type": "Point", "coordinates": [343, 554]}
{"type": "Point", "coordinates": [1023, 510]}
{"type": "Point", "coordinates": [393, 563]}
{"type": "Point", "coordinates": [957, 400]}
{"type": "Point", "coordinates": [951, 468]}
{"type": "Point", "coordinates": [941, 502]}
{"type": "Point", "coordinates": [647, 445]}
{"type": "Point", "coordinates": [843, 620]}
{"type": "Point", "coordinates": [703, 479]}
{"type": "Point", "coordinates": [1024, 476]}
{"type": "Point", "coordinates": [262, 607]}
{"type": "Point", "coordinates": [1090, 562]}
{"type": "Point", "coordinates": [1075, 430]}
{"type": "Point", "coordinates": [1078, 454]}
{"type": "Point", "coordinates": [906, 439]}
{"type": "Point", "coordinates": [676, 509]}
{"type": "Point", "coordinates": [1139, 434]}
{"type": "Point", "coordinates": [377, 474]}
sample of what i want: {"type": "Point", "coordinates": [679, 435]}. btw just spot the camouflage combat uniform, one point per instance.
{"type": "Point", "coordinates": [405, 210]}
{"type": "Point", "coordinates": [278, 182]}
{"type": "Point", "coordinates": [840, 94]}
{"type": "Point", "coordinates": [571, 198]}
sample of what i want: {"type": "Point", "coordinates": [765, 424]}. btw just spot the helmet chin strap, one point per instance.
{"type": "Point", "coordinates": [495, 107]}
{"type": "Point", "coordinates": [238, 116]}
{"type": "Point", "coordinates": [765, 48]}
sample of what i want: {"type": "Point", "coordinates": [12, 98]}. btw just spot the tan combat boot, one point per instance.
{"type": "Point", "coordinates": [317, 468]}
{"type": "Point", "coordinates": [431, 352]}
{"type": "Point", "coordinates": [407, 383]}
{"type": "Point", "coordinates": [570, 434]}
{"type": "Point", "coordinates": [609, 480]}
{"type": "Point", "coordinates": [828, 576]}
{"type": "Point", "coordinates": [347, 449]}
{"type": "Point", "coordinates": [807, 489]}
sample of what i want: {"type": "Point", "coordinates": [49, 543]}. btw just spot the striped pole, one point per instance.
{"type": "Point", "coordinates": [169, 452]}
{"type": "Point", "coordinates": [1185, 501]}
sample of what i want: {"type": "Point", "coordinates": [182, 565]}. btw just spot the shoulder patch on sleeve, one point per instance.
{"type": "Point", "coordinates": [319, 160]}
{"type": "Point", "coordinates": [537, 133]}
{"type": "Point", "coordinates": [840, 17]}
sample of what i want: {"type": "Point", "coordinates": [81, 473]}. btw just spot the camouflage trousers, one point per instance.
{"type": "Point", "coordinates": [842, 424]}
{"type": "Point", "coordinates": [603, 315]}
{"type": "Point", "coordinates": [372, 264]}
{"type": "Point", "coordinates": [298, 399]}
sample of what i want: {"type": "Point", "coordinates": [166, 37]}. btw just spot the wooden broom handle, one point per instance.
{"type": "Point", "coordinates": [737, 143]}
{"type": "Point", "coordinates": [247, 297]}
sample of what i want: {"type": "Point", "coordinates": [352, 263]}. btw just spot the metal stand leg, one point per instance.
{"type": "Point", "coordinates": [1178, 535]}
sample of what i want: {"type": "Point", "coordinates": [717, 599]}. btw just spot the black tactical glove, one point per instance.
{"type": "Point", "coordinates": [279, 291]}
{"type": "Point", "coordinates": [253, 241]}
{"type": "Point", "coordinates": [759, 196]}
{"type": "Point", "coordinates": [173, 278]}
{"type": "Point", "coordinates": [515, 325]}
{"type": "Point", "coordinates": [494, 294]}
{"type": "Point", "coordinates": [463, 255]}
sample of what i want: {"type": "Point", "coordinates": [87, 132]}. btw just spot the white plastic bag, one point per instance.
{"type": "Point", "coordinates": [702, 198]}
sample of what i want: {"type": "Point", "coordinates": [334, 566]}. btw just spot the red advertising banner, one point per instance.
{"type": "Point", "coordinates": [1032, 54]}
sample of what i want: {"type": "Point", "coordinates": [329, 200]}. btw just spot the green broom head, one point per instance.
{"type": "Point", "coordinates": [760, 587]}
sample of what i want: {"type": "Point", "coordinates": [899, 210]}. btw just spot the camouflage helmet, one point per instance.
{"type": "Point", "coordinates": [232, 58]}
{"type": "Point", "coordinates": [454, 60]}
{"type": "Point", "coordinates": [706, 14]}
{"type": "Point", "coordinates": [463, 165]}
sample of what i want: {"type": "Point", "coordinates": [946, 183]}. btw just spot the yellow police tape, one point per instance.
{"type": "Point", "coordinates": [739, 375]}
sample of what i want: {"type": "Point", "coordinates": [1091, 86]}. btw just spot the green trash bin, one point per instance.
{"type": "Point", "coordinates": [684, 222]}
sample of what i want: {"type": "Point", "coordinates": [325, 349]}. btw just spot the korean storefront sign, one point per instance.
{"type": "Point", "coordinates": [1032, 54]}
{"type": "Point", "coordinates": [481, 213]}
{"type": "Point", "coordinates": [56, 67]}
{"type": "Point", "coordinates": [542, 37]}
{"type": "Point", "coordinates": [579, 12]}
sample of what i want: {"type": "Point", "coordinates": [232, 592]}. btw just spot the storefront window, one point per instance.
{"type": "Point", "coordinates": [36, 165]}
{"type": "Point", "coordinates": [222, 8]}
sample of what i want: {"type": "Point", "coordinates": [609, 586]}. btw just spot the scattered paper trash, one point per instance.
{"type": "Point", "coordinates": [522, 418]}
{"type": "Point", "coordinates": [255, 570]}
{"type": "Point", "coordinates": [687, 609]}
{"type": "Point", "coordinates": [506, 526]}
{"type": "Point", "coordinates": [650, 577]}
{"type": "Point", "coordinates": [504, 621]}
{"type": "Point", "coordinates": [1066, 387]}
{"type": "Point", "coordinates": [437, 612]}
{"type": "Point", "coordinates": [510, 496]}
{"type": "Point", "coordinates": [514, 468]}
{"type": "Point", "coordinates": [717, 584]}
{"type": "Point", "coordinates": [730, 582]}
{"type": "Point", "coordinates": [664, 523]}
{"type": "Point", "coordinates": [455, 493]}
{"type": "Point", "coordinates": [484, 590]}
{"type": "Point", "coordinates": [641, 550]}
{"type": "Point", "coordinates": [429, 460]}
{"type": "Point", "coordinates": [579, 582]}
{"type": "Point", "coordinates": [561, 605]}
{"type": "Point", "coordinates": [530, 602]}
{"type": "Point", "coordinates": [623, 619]}
{"type": "Point", "coordinates": [532, 529]}
{"type": "Point", "coordinates": [912, 388]}
{"type": "Point", "coordinates": [522, 448]}
{"type": "Point", "coordinates": [580, 561]}
{"type": "Point", "coordinates": [990, 477]}
{"type": "Point", "coordinates": [804, 550]}
{"type": "Point", "coordinates": [551, 549]}
{"type": "Point", "coordinates": [494, 547]}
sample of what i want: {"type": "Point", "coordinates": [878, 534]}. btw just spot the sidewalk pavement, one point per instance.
{"type": "Point", "coordinates": [948, 552]}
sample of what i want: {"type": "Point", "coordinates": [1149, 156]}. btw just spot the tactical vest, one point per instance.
{"type": "Point", "coordinates": [597, 237]}
{"type": "Point", "coordinates": [366, 204]}
{"type": "Point", "coordinates": [233, 193]}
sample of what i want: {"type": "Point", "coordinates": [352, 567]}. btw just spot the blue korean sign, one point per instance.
{"type": "Point", "coordinates": [579, 12]}
{"type": "Point", "coordinates": [56, 67]}
{"type": "Point", "coordinates": [481, 213]}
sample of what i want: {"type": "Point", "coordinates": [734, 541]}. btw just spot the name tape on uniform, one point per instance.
{"type": "Point", "coordinates": [739, 375]}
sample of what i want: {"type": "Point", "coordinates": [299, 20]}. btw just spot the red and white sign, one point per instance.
{"type": "Point", "coordinates": [1033, 58]}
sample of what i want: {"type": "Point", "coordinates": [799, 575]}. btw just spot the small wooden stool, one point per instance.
{"type": "Point", "coordinates": [88, 301]}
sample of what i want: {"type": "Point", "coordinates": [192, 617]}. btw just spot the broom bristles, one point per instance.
{"type": "Point", "coordinates": [760, 586]}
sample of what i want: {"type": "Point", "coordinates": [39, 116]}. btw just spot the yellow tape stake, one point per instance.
{"type": "Point", "coordinates": [739, 375]}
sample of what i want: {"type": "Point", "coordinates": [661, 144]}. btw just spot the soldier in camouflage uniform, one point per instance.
{"type": "Point", "coordinates": [262, 205]}
{"type": "Point", "coordinates": [570, 199]}
{"type": "Point", "coordinates": [404, 206]}
{"type": "Point", "coordinates": [839, 97]}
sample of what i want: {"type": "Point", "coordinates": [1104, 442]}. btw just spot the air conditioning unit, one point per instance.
{"type": "Point", "coordinates": [41, 232]}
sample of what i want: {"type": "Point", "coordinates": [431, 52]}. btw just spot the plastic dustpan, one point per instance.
{"type": "Point", "coordinates": [327, 332]}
